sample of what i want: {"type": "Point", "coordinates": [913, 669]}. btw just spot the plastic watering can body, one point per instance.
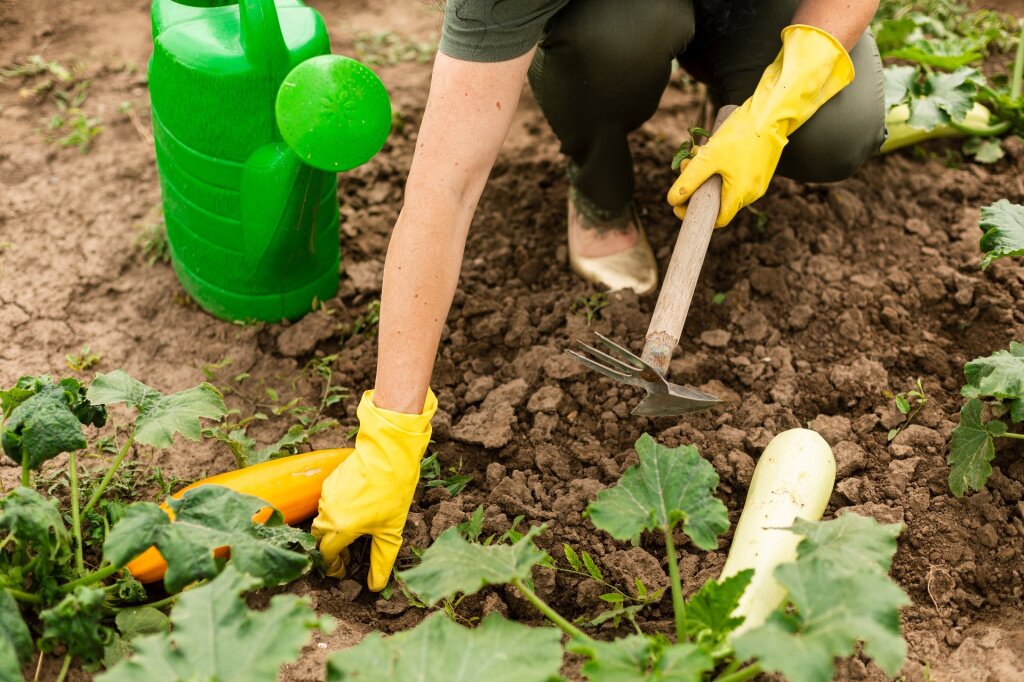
{"type": "Point", "coordinates": [253, 230]}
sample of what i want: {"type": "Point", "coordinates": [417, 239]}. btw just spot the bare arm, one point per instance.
{"type": "Point", "coordinates": [845, 19]}
{"type": "Point", "coordinates": [468, 114]}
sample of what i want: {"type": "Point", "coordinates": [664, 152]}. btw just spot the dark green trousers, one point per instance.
{"type": "Point", "coordinates": [603, 65]}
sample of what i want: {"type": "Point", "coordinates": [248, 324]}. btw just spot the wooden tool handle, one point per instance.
{"type": "Point", "coordinates": [684, 268]}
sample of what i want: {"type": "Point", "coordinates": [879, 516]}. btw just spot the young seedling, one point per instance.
{"type": "Point", "coordinates": [909, 403]}
{"type": "Point", "coordinates": [590, 306]}
{"type": "Point", "coordinates": [455, 482]}
{"type": "Point", "coordinates": [688, 148]}
{"type": "Point", "coordinates": [83, 360]}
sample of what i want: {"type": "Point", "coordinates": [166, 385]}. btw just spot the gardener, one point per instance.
{"type": "Point", "coordinates": [598, 69]}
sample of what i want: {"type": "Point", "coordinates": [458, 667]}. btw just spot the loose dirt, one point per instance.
{"type": "Point", "coordinates": [843, 291]}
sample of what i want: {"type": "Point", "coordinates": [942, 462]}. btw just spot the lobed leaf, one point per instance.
{"type": "Point", "coordinates": [15, 639]}
{"type": "Point", "coordinates": [36, 521]}
{"type": "Point", "coordinates": [438, 650]}
{"type": "Point", "coordinates": [971, 449]}
{"type": "Point", "coordinates": [899, 81]}
{"type": "Point", "coordinates": [207, 518]}
{"type": "Point", "coordinates": [833, 612]}
{"type": "Point", "coordinates": [642, 658]}
{"type": "Point", "coordinates": [848, 541]}
{"type": "Point", "coordinates": [45, 419]}
{"type": "Point", "coordinates": [708, 619]}
{"type": "Point", "coordinates": [454, 566]}
{"type": "Point", "coordinates": [668, 486]}
{"type": "Point", "coordinates": [216, 637]}
{"type": "Point", "coordinates": [944, 97]}
{"type": "Point", "coordinates": [1003, 227]}
{"type": "Point", "coordinates": [160, 416]}
{"type": "Point", "coordinates": [1000, 375]}
{"type": "Point", "coordinates": [75, 623]}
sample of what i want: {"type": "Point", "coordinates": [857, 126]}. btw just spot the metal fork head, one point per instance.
{"type": "Point", "coordinates": [663, 398]}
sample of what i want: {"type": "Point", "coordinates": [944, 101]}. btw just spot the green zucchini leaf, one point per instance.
{"type": "Point", "coordinates": [708, 619]}
{"type": "Point", "coordinates": [45, 419]}
{"type": "Point", "coordinates": [642, 658]}
{"type": "Point", "coordinates": [438, 650]}
{"type": "Point", "coordinates": [454, 566]}
{"type": "Point", "coordinates": [849, 541]}
{"type": "Point", "coordinates": [215, 636]}
{"type": "Point", "coordinates": [160, 416]}
{"type": "Point", "coordinates": [36, 521]}
{"type": "Point", "coordinates": [971, 449]}
{"type": "Point", "coordinates": [206, 518]}
{"type": "Point", "coordinates": [75, 623]}
{"type": "Point", "coordinates": [669, 486]}
{"type": "Point", "coordinates": [15, 639]}
{"type": "Point", "coordinates": [832, 613]}
{"type": "Point", "coordinates": [1003, 225]}
{"type": "Point", "coordinates": [943, 97]}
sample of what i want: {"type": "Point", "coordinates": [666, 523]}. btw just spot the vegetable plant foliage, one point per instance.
{"type": "Point", "coordinates": [995, 385]}
{"type": "Point", "coordinates": [50, 597]}
{"type": "Point", "coordinates": [839, 596]}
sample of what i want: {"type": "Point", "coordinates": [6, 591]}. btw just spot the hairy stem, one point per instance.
{"type": "Point", "coordinates": [94, 577]}
{"type": "Point", "coordinates": [76, 521]}
{"type": "Point", "coordinates": [747, 673]}
{"type": "Point", "coordinates": [1018, 67]}
{"type": "Point", "coordinates": [981, 131]}
{"type": "Point", "coordinates": [23, 596]}
{"type": "Point", "coordinates": [109, 475]}
{"type": "Point", "coordinates": [26, 473]}
{"type": "Point", "coordinates": [677, 586]}
{"type": "Point", "coordinates": [64, 668]}
{"type": "Point", "coordinates": [549, 613]}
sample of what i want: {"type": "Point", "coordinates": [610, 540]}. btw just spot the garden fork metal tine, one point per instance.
{"type": "Point", "coordinates": [598, 367]}
{"type": "Point", "coordinates": [628, 368]}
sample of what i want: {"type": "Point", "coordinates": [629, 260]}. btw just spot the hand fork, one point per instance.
{"type": "Point", "coordinates": [665, 398]}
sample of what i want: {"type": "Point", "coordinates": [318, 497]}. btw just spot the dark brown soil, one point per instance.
{"type": "Point", "coordinates": [846, 291]}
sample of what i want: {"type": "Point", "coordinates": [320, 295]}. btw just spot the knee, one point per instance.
{"type": "Point", "coordinates": [847, 131]}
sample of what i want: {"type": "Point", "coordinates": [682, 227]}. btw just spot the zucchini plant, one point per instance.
{"type": "Point", "coordinates": [833, 589]}
{"type": "Point", "coordinates": [995, 385]}
{"type": "Point", "coordinates": [937, 91]}
{"type": "Point", "coordinates": [61, 592]}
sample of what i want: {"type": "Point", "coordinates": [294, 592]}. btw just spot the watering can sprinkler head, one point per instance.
{"type": "Point", "coordinates": [333, 112]}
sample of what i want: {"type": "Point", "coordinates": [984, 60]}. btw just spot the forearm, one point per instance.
{"type": "Point", "coordinates": [468, 114]}
{"type": "Point", "coordinates": [845, 19]}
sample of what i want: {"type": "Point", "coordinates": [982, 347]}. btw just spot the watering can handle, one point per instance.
{"type": "Point", "coordinates": [261, 37]}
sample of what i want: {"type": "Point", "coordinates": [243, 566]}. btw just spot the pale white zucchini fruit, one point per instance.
{"type": "Point", "coordinates": [793, 479]}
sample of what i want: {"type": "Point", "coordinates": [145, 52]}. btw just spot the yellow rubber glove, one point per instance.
{"type": "Point", "coordinates": [370, 492]}
{"type": "Point", "coordinates": [810, 69]}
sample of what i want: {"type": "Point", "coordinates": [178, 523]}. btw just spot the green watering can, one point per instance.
{"type": "Point", "coordinates": [252, 119]}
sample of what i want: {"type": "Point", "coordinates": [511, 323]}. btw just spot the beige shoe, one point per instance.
{"type": "Point", "coordinates": [635, 268]}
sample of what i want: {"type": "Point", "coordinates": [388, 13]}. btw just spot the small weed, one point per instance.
{"type": "Point", "coordinates": [455, 482]}
{"type": "Point", "coordinates": [152, 239]}
{"type": "Point", "coordinates": [83, 360]}
{"type": "Point", "coordinates": [910, 404]}
{"type": "Point", "coordinates": [71, 126]}
{"type": "Point", "coordinates": [387, 48]}
{"type": "Point", "coordinates": [688, 148]}
{"type": "Point", "coordinates": [367, 322]}
{"type": "Point", "coordinates": [590, 306]}
{"type": "Point", "coordinates": [718, 299]}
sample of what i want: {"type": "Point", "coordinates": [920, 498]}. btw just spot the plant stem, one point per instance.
{"type": "Point", "coordinates": [1018, 67]}
{"type": "Point", "coordinates": [1012, 435]}
{"type": "Point", "coordinates": [109, 475]}
{"type": "Point", "coordinates": [26, 473]}
{"type": "Point", "coordinates": [677, 586]}
{"type": "Point", "coordinates": [747, 673]}
{"type": "Point", "coordinates": [549, 613]}
{"type": "Point", "coordinates": [64, 668]}
{"type": "Point", "coordinates": [76, 521]}
{"type": "Point", "coordinates": [94, 577]}
{"type": "Point", "coordinates": [23, 596]}
{"type": "Point", "coordinates": [981, 131]}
